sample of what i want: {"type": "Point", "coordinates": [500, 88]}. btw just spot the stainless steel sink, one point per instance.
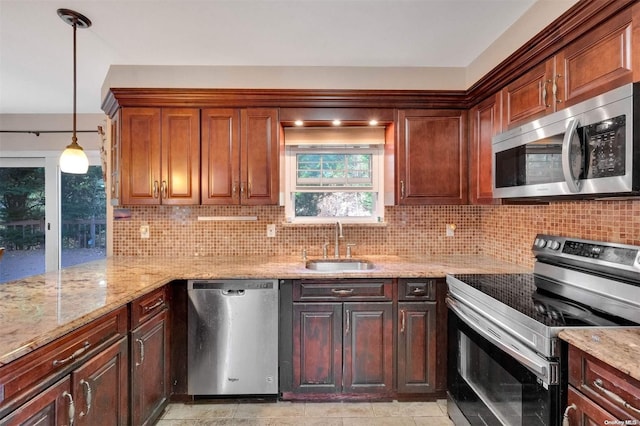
{"type": "Point", "coordinates": [339, 265]}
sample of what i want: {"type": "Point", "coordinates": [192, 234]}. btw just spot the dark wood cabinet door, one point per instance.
{"type": "Point", "coordinates": [49, 408]}
{"type": "Point", "coordinates": [180, 158]}
{"type": "Point", "coordinates": [149, 369]}
{"type": "Point", "coordinates": [368, 347]}
{"type": "Point", "coordinates": [485, 124]}
{"type": "Point", "coordinates": [100, 387]}
{"type": "Point", "coordinates": [259, 156]}
{"type": "Point", "coordinates": [220, 175]}
{"type": "Point", "coordinates": [416, 347]}
{"type": "Point", "coordinates": [588, 413]}
{"type": "Point", "coordinates": [531, 95]}
{"type": "Point", "coordinates": [140, 155]}
{"type": "Point", "coordinates": [432, 157]}
{"type": "Point", "coordinates": [597, 62]}
{"type": "Point", "coordinates": [317, 347]}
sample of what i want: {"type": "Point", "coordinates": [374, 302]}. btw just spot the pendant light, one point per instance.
{"type": "Point", "coordinates": [73, 158]}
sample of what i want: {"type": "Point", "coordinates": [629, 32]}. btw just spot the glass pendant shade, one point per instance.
{"type": "Point", "coordinates": [74, 160]}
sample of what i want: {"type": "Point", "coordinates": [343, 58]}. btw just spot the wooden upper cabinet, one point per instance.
{"type": "Point", "coordinates": [159, 156]}
{"type": "Point", "coordinates": [485, 119]}
{"type": "Point", "coordinates": [220, 172]}
{"type": "Point", "coordinates": [140, 155]}
{"type": "Point", "coordinates": [259, 156]}
{"type": "Point", "coordinates": [180, 159]}
{"type": "Point", "coordinates": [531, 95]}
{"type": "Point", "coordinates": [240, 156]}
{"type": "Point", "coordinates": [597, 62]}
{"type": "Point", "coordinates": [431, 157]}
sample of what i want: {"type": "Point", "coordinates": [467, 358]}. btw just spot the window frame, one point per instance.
{"type": "Point", "coordinates": [377, 188]}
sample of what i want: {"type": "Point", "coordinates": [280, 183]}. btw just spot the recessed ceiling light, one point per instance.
{"type": "Point", "coordinates": [298, 122]}
{"type": "Point", "coordinates": [373, 122]}
{"type": "Point", "coordinates": [336, 122]}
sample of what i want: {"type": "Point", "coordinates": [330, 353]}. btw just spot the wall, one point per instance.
{"type": "Point", "coordinates": [504, 232]}
{"type": "Point", "coordinates": [508, 231]}
{"type": "Point", "coordinates": [176, 231]}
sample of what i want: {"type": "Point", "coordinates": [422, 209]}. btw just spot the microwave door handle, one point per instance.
{"type": "Point", "coordinates": [572, 132]}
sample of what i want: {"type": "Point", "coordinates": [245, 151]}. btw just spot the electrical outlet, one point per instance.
{"type": "Point", "coordinates": [271, 230]}
{"type": "Point", "coordinates": [144, 231]}
{"type": "Point", "coordinates": [450, 230]}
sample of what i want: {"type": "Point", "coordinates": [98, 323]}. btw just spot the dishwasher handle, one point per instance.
{"type": "Point", "coordinates": [233, 292]}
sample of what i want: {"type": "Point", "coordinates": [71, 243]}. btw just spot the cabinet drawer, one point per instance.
{"type": "Point", "coordinates": [147, 306]}
{"type": "Point", "coordinates": [351, 289]}
{"type": "Point", "coordinates": [30, 373]}
{"type": "Point", "coordinates": [587, 412]}
{"type": "Point", "coordinates": [420, 289]}
{"type": "Point", "coordinates": [605, 385]}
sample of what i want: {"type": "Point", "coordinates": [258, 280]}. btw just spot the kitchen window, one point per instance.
{"type": "Point", "coordinates": [328, 183]}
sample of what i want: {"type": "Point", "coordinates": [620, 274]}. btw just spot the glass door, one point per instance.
{"type": "Point", "coordinates": [83, 217]}
{"type": "Point", "coordinates": [22, 220]}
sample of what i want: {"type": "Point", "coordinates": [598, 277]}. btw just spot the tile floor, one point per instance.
{"type": "Point", "coordinates": [307, 413]}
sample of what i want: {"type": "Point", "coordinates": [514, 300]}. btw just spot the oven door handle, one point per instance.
{"type": "Point", "coordinates": [546, 371]}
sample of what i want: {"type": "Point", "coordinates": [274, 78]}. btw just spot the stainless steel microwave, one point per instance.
{"type": "Point", "coordinates": [589, 150]}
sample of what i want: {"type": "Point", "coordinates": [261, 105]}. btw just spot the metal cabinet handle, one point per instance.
{"type": "Point", "coordinates": [418, 291]}
{"type": "Point", "coordinates": [242, 188]}
{"type": "Point", "coordinates": [159, 303]}
{"type": "Point", "coordinates": [87, 396]}
{"type": "Point", "coordinates": [402, 320]}
{"type": "Point", "coordinates": [544, 94]}
{"type": "Point", "coordinates": [155, 189]}
{"type": "Point", "coordinates": [141, 343]}
{"type": "Point", "coordinates": [402, 190]}
{"type": "Point", "coordinates": [346, 331]}
{"type": "Point", "coordinates": [617, 398]}
{"type": "Point", "coordinates": [72, 407]}
{"type": "Point", "coordinates": [73, 356]}
{"type": "Point", "coordinates": [341, 292]}
{"type": "Point", "coordinates": [164, 189]}
{"type": "Point", "coordinates": [234, 189]}
{"type": "Point", "coordinates": [555, 88]}
{"type": "Point", "coordinates": [565, 417]}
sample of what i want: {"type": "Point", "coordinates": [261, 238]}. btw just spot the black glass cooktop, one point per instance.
{"type": "Point", "coordinates": [519, 291]}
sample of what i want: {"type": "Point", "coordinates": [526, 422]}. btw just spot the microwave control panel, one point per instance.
{"type": "Point", "coordinates": [605, 148]}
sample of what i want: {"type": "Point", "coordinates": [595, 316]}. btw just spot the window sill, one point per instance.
{"type": "Point", "coordinates": [333, 224]}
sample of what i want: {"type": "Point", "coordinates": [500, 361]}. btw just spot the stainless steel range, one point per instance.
{"type": "Point", "coordinates": [507, 365]}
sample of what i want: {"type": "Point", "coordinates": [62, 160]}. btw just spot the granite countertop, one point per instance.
{"type": "Point", "coordinates": [617, 347]}
{"type": "Point", "coordinates": [39, 309]}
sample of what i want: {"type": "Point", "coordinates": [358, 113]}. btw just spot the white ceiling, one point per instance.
{"type": "Point", "coordinates": [36, 45]}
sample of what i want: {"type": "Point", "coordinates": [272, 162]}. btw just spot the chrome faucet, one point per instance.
{"type": "Point", "coordinates": [336, 252]}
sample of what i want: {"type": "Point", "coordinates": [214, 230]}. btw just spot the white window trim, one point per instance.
{"type": "Point", "coordinates": [378, 183]}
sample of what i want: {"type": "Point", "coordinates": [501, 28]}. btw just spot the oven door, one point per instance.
{"type": "Point", "coordinates": [488, 387]}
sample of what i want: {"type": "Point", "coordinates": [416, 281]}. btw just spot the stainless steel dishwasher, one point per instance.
{"type": "Point", "coordinates": [232, 337]}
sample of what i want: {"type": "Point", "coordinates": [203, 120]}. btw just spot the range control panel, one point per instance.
{"type": "Point", "coordinates": [588, 251]}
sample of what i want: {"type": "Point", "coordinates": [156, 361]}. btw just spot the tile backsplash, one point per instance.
{"type": "Point", "coordinates": [505, 232]}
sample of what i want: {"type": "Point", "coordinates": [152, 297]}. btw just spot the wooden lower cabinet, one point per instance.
{"type": "Point", "coordinates": [341, 338]}
{"type": "Point", "coordinates": [416, 347]}
{"type": "Point", "coordinates": [368, 347]}
{"type": "Point", "coordinates": [587, 412]}
{"type": "Point", "coordinates": [93, 394]}
{"type": "Point", "coordinates": [317, 347]}
{"type": "Point", "coordinates": [343, 347]}
{"type": "Point", "coordinates": [49, 408]}
{"type": "Point", "coordinates": [600, 393]}
{"type": "Point", "coordinates": [149, 369]}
